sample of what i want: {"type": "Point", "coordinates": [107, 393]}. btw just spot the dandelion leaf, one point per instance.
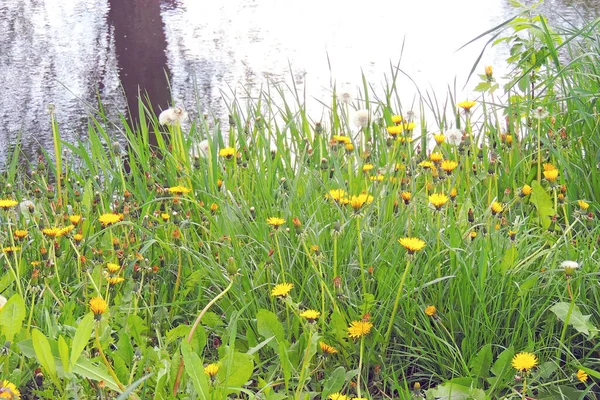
{"type": "Point", "coordinates": [452, 390]}
{"type": "Point", "coordinates": [12, 316]}
{"type": "Point", "coordinates": [481, 363]}
{"type": "Point", "coordinates": [236, 369]}
{"type": "Point", "coordinates": [543, 204]}
{"type": "Point", "coordinates": [508, 261]}
{"type": "Point", "coordinates": [334, 382]}
{"type": "Point", "coordinates": [194, 369]}
{"type": "Point", "coordinates": [574, 318]}
{"type": "Point", "coordinates": [502, 369]}
{"type": "Point", "coordinates": [268, 325]}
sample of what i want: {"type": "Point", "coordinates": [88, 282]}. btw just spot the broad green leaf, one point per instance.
{"type": "Point", "coordinates": [502, 369]}
{"type": "Point", "coordinates": [571, 314]}
{"type": "Point", "coordinates": [284, 360]}
{"type": "Point", "coordinates": [81, 338]}
{"type": "Point", "coordinates": [481, 363]}
{"type": "Point", "coordinates": [125, 348]}
{"type": "Point", "coordinates": [63, 352]}
{"type": "Point", "coordinates": [83, 368]}
{"type": "Point", "coordinates": [334, 382]}
{"type": "Point", "coordinates": [87, 369]}
{"type": "Point", "coordinates": [268, 325]}
{"type": "Point", "coordinates": [12, 316]}
{"type": "Point", "coordinates": [236, 369]}
{"type": "Point", "coordinates": [455, 391]}
{"type": "Point", "coordinates": [131, 389]}
{"type": "Point", "coordinates": [543, 203]}
{"type": "Point", "coordinates": [195, 370]}
{"type": "Point", "coordinates": [120, 368]}
{"type": "Point", "coordinates": [43, 353]}
{"type": "Point", "coordinates": [137, 327]}
{"type": "Point", "coordinates": [509, 259]}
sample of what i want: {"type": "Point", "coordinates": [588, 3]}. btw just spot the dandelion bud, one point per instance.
{"type": "Point", "coordinates": [252, 213]}
{"type": "Point", "coordinates": [489, 72]}
{"type": "Point", "coordinates": [324, 164]}
{"type": "Point", "coordinates": [116, 146]}
{"type": "Point", "coordinates": [470, 215]}
{"type": "Point", "coordinates": [318, 128]}
{"type": "Point", "coordinates": [231, 268]}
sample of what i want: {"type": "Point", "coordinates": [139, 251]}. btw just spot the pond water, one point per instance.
{"type": "Point", "coordinates": [73, 52]}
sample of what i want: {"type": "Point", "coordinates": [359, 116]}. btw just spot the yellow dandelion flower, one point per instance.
{"type": "Point", "coordinates": [10, 249]}
{"type": "Point", "coordinates": [113, 280]}
{"type": "Point", "coordinates": [336, 195]}
{"type": "Point", "coordinates": [110, 218]}
{"type": "Point", "coordinates": [227, 152]}
{"type": "Point", "coordinates": [436, 157]}
{"type": "Point", "coordinates": [66, 230]}
{"type": "Point", "coordinates": [426, 164]}
{"type": "Point", "coordinates": [113, 268]}
{"type": "Point", "coordinates": [8, 203]}
{"type": "Point", "coordinates": [327, 349]}
{"type": "Point", "coordinates": [453, 193]}
{"type": "Point", "coordinates": [409, 126]}
{"type": "Point", "coordinates": [9, 391]}
{"type": "Point", "coordinates": [395, 130]}
{"type": "Point", "coordinates": [52, 232]}
{"type": "Point", "coordinates": [439, 138]}
{"type": "Point", "coordinates": [359, 329]}
{"type": "Point", "coordinates": [430, 311]}
{"type": "Point", "coordinates": [378, 178]}
{"type": "Point", "coordinates": [368, 167]}
{"type": "Point", "coordinates": [282, 290]}
{"type": "Point", "coordinates": [310, 315]}
{"type": "Point", "coordinates": [78, 237]}
{"type": "Point", "coordinates": [20, 234]}
{"type": "Point", "coordinates": [396, 119]}
{"type": "Point", "coordinates": [179, 190]}
{"type": "Point", "coordinates": [449, 165]}
{"type": "Point", "coordinates": [583, 205]}
{"type": "Point", "coordinates": [582, 376]}
{"type": "Point", "coordinates": [525, 190]}
{"type": "Point", "coordinates": [406, 196]}
{"type": "Point", "coordinates": [438, 200]}
{"type": "Point", "coordinates": [341, 139]}
{"type": "Point", "coordinates": [412, 244]}
{"type": "Point", "coordinates": [165, 216]}
{"type": "Point", "coordinates": [357, 202]}
{"type": "Point", "coordinates": [338, 396]}
{"type": "Point", "coordinates": [496, 208]}
{"type": "Point", "coordinates": [275, 222]}
{"type": "Point", "coordinates": [349, 147]}
{"type": "Point", "coordinates": [75, 219]}
{"type": "Point", "coordinates": [551, 175]}
{"type": "Point", "coordinates": [524, 361]}
{"type": "Point", "coordinates": [467, 105]}
{"type": "Point", "coordinates": [549, 167]}
{"type": "Point", "coordinates": [98, 306]}
{"type": "Point", "coordinates": [211, 369]}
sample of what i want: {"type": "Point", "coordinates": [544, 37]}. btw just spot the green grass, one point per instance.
{"type": "Point", "coordinates": [210, 256]}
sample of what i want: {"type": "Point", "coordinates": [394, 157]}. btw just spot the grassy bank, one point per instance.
{"type": "Point", "coordinates": [366, 255]}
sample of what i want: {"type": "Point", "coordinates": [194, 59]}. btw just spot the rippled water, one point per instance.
{"type": "Point", "coordinates": [72, 52]}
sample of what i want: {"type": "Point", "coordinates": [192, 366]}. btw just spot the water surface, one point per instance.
{"type": "Point", "coordinates": [73, 52]}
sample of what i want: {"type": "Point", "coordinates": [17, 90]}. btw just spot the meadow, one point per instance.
{"type": "Point", "coordinates": [369, 254]}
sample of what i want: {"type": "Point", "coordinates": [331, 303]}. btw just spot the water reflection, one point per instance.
{"type": "Point", "coordinates": [71, 52]}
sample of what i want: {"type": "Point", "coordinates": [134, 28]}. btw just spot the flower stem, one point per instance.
{"type": "Point", "coordinates": [396, 303]}
{"type": "Point", "coordinates": [360, 360]}
{"type": "Point", "coordinates": [361, 263]}
{"type": "Point", "coordinates": [191, 334]}
{"type": "Point", "coordinates": [280, 258]}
